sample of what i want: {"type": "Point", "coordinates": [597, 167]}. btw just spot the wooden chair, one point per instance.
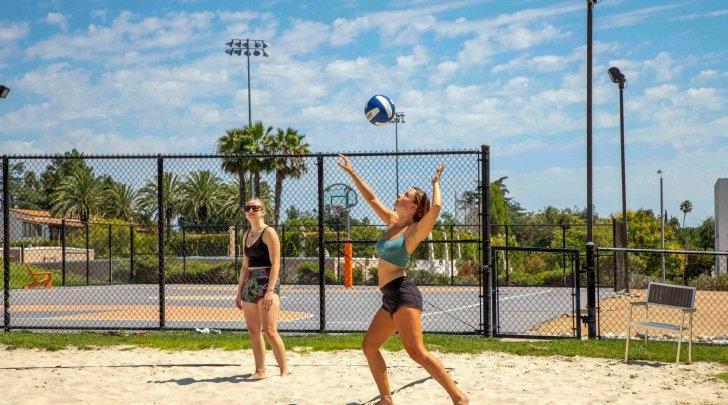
{"type": "Point", "coordinates": [38, 278]}
{"type": "Point", "coordinates": [667, 296]}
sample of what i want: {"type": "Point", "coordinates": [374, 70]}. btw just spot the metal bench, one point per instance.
{"type": "Point", "coordinates": [668, 296]}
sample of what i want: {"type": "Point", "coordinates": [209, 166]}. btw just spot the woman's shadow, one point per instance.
{"type": "Point", "coordinates": [234, 379]}
{"type": "Point", "coordinates": [412, 384]}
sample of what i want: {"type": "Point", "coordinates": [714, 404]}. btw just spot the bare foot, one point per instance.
{"type": "Point", "coordinates": [284, 373]}
{"type": "Point", "coordinates": [258, 375]}
{"type": "Point", "coordinates": [385, 400]}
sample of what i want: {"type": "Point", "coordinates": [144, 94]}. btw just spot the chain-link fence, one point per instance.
{"type": "Point", "coordinates": [706, 271]}
{"type": "Point", "coordinates": [149, 242]}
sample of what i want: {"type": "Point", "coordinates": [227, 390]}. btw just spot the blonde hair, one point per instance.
{"type": "Point", "coordinates": [423, 203]}
{"type": "Point", "coordinates": [258, 200]}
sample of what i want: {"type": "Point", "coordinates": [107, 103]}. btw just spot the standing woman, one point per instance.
{"type": "Point", "coordinates": [407, 225]}
{"type": "Point", "coordinates": [258, 288]}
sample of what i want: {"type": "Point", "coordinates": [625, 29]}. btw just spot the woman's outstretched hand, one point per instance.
{"type": "Point", "coordinates": [345, 164]}
{"type": "Point", "coordinates": [438, 172]}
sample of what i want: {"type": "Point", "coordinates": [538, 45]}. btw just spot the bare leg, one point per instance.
{"type": "Point", "coordinates": [253, 323]}
{"type": "Point", "coordinates": [381, 329]}
{"type": "Point", "coordinates": [407, 321]}
{"type": "Point", "coordinates": [269, 320]}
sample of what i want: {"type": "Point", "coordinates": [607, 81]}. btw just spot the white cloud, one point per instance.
{"type": "Point", "coordinates": [11, 32]}
{"type": "Point", "coordinates": [710, 14]}
{"type": "Point", "coordinates": [57, 19]}
{"type": "Point", "coordinates": [633, 17]}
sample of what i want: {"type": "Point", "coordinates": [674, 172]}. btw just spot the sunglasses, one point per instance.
{"type": "Point", "coordinates": [253, 208]}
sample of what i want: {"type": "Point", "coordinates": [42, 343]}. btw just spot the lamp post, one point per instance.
{"type": "Point", "coordinates": [4, 90]}
{"type": "Point", "coordinates": [591, 317]}
{"type": "Point", "coordinates": [247, 47]}
{"type": "Point", "coordinates": [618, 78]}
{"type": "Point", "coordinates": [398, 119]}
{"type": "Point", "coordinates": [662, 228]}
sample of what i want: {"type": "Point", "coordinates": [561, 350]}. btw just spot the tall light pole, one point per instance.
{"type": "Point", "coordinates": [591, 317]}
{"type": "Point", "coordinates": [662, 228]}
{"type": "Point", "coordinates": [618, 78]}
{"type": "Point", "coordinates": [247, 47]}
{"type": "Point", "coordinates": [4, 90]}
{"type": "Point", "coordinates": [398, 119]}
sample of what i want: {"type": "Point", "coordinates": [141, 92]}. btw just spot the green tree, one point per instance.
{"type": "Point", "coordinates": [259, 134]}
{"type": "Point", "coordinates": [288, 142]}
{"type": "Point", "coordinates": [80, 194]}
{"type": "Point", "coordinates": [237, 143]}
{"type": "Point", "coordinates": [59, 168]}
{"type": "Point", "coordinates": [200, 195]}
{"type": "Point", "coordinates": [686, 207]}
{"type": "Point", "coordinates": [171, 199]}
{"type": "Point", "coordinates": [120, 202]}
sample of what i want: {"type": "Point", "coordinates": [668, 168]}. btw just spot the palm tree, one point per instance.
{"type": "Point", "coordinates": [260, 136]}
{"type": "Point", "coordinates": [229, 211]}
{"type": "Point", "coordinates": [79, 194]}
{"type": "Point", "coordinates": [686, 206]}
{"type": "Point", "coordinates": [147, 198]}
{"type": "Point", "coordinates": [288, 142]}
{"type": "Point", "coordinates": [237, 142]}
{"type": "Point", "coordinates": [120, 201]}
{"type": "Point", "coordinates": [200, 195]}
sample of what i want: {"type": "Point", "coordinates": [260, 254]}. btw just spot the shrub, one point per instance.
{"type": "Point", "coordinates": [706, 282]}
{"type": "Point", "coordinates": [426, 277]}
{"type": "Point", "coordinates": [309, 274]}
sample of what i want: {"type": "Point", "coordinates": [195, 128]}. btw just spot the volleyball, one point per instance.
{"type": "Point", "coordinates": [379, 110]}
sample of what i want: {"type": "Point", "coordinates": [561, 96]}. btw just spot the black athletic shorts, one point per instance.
{"type": "Point", "coordinates": [400, 292]}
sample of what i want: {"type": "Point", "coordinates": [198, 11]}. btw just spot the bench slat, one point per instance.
{"type": "Point", "coordinates": [658, 325]}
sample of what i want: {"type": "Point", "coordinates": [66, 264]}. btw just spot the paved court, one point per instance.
{"type": "Point", "coordinates": [446, 308]}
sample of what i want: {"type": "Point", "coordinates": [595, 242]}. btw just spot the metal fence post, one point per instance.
{"type": "Point", "coordinates": [591, 287]}
{"type": "Point", "coordinates": [184, 250]}
{"type": "Point", "coordinates": [63, 252]}
{"type": "Point", "coordinates": [452, 257]}
{"type": "Point", "coordinates": [506, 254]}
{"type": "Point", "coordinates": [131, 253]}
{"type": "Point", "coordinates": [6, 242]}
{"type": "Point", "coordinates": [563, 246]}
{"type": "Point", "coordinates": [88, 263]}
{"type": "Point", "coordinates": [486, 302]}
{"type": "Point", "coordinates": [576, 273]}
{"type": "Point", "coordinates": [322, 279]}
{"type": "Point", "coordinates": [110, 264]}
{"type": "Point", "coordinates": [160, 230]}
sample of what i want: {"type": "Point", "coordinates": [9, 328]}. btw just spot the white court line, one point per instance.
{"type": "Point", "coordinates": [478, 304]}
{"type": "Point", "coordinates": [450, 310]}
{"type": "Point", "coordinates": [525, 295]}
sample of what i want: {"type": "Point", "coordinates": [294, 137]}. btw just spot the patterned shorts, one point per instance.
{"type": "Point", "coordinates": [255, 284]}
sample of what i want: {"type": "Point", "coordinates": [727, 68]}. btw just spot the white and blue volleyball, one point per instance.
{"type": "Point", "coordinates": [379, 110]}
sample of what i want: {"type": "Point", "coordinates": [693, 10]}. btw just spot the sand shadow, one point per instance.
{"type": "Point", "coordinates": [121, 366]}
{"type": "Point", "coordinates": [655, 364]}
{"type": "Point", "coordinates": [412, 384]}
{"type": "Point", "coordinates": [233, 379]}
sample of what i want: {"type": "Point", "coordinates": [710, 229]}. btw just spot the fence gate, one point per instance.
{"type": "Point", "coordinates": [535, 292]}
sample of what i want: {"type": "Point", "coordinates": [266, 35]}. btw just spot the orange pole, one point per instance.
{"type": "Point", "coordinates": [348, 279]}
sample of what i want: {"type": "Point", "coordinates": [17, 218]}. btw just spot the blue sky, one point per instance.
{"type": "Point", "coordinates": [152, 77]}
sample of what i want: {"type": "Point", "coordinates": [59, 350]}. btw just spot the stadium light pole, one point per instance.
{"type": "Point", "coordinates": [4, 91]}
{"type": "Point", "coordinates": [247, 47]}
{"type": "Point", "coordinates": [618, 78]}
{"type": "Point", "coordinates": [662, 228]}
{"type": "Point", "coordinates": [398, 119]}
{"type": "Point", "coordinates": [591, 316]}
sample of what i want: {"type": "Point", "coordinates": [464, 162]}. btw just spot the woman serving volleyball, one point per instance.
{"type": "Point", "coordinates": [407, 225]}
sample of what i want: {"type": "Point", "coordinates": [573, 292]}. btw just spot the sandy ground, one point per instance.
{"type": "Point", "coordinates": [132, 375]}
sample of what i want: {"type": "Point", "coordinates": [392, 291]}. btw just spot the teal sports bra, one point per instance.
{"type": "Point", "coordinates": [393, 251]}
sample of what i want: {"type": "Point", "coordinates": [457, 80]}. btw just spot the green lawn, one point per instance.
{"type": "Point", "coordinates": [184, 340]}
